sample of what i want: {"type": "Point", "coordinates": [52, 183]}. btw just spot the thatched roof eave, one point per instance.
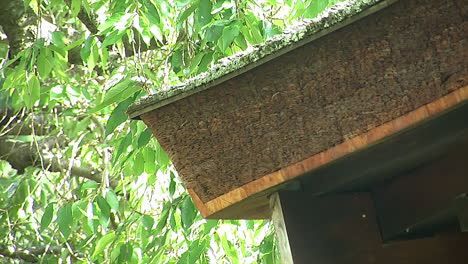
{"type": "Point", "coordinates": [306, 31]}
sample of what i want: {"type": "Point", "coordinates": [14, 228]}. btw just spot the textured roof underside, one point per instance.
{"type": "Point", "coordinates": [293, 36]}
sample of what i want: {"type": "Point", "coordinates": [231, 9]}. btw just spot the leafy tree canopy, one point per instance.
{"type": "Point", "coordinates": [81, 183]}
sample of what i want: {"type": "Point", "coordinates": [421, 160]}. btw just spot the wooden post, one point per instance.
{"type": "Point", "coordinates": [280, 227]}
{"type": "Point", "coordinates": [461, 208]}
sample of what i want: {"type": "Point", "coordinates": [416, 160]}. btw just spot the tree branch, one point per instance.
{"type": "Point", "coordinates": [22, 155]}
{"type": "Point", "coordinates": [30, 255]}
{"type": "Point", "coordinates": [18, 24]}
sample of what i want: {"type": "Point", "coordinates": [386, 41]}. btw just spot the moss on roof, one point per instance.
{"type": "Point", "coordinates": [292, 37]}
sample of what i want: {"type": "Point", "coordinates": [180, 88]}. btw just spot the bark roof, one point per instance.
{"type": "Point", "coordinates": [292, 37]}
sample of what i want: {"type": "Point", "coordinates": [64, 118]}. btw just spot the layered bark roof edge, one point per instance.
{"type": "Point", "coordinates": [292, 37]}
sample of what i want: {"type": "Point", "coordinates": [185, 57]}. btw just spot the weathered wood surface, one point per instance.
{"type": "Point", "coordinates": [343, 228]}
{"type": "Point", "coordinates": [335, 169]}
{"type": "Point", "coordinates": [281, 230]}
{"type": "Point", "coordinates": [313, 105]}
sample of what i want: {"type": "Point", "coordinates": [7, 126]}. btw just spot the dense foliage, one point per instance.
{"type": "Point", "coordinates": [79, 181]}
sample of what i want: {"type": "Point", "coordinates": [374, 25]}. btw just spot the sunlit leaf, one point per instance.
{"type": "Point", "coordinates": [147, 221]}
{"type": "Point", "coordinates": [118, 116]}
{"type": "Point", "coordinates": [75, 7]}
{"type": "Point", "coordinates": [102, 244]}
{"type": "Point", "coordinates": [47, 216]}
{"type": "Point", "coordinates": [105, 209]}
{"type": "Point", "coordinates": [113, 38]}
{"type": "Point", "coordinates": [58, 39]}
{"type": "Point", "coordinates": [204, 13]}
{"type": "Point", "coordinates": [44, 65]}
{"type": "Point", "coordinates": [112, 200]}
{"type": "Point", "coordinates": [65, 219]}
{"type": "Point", "coordinates": [119, 92]}
{"type": "Point", "coordinates": [139, 163]}
{"type": "Point", "coordinates": [229, 34]}
{"type": "Point", "coordinates": [188, 212]}
{"type": "Point", "coordinates": [209, 225]}
{"type": "Point", "coordinates": [162, 220]}
{"type": "Point", "coordinates": [161, 156]}
{"type": "Point", "coordinates": [34, 91]}
{"type": "Point", "coordinates": [144, 137]}
{"type": "Point", "coordinates": [182, 3]}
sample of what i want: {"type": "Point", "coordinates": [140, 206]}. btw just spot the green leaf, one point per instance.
{"type": "Point", "coordinates": [214, 32]}
{"type": "Point", "coordinates": [86, 7]}
{"type": "Point", "coordinates": [89, 185]}
{"type": "Point", "coordinates": [196, 60]}
{"type": "Point", "coordinates": [123, 146]}
{"type": "Point", "coordinates": [315, 8]}
{"type": "Point", "coordinates": [240, 41]}
{"type": "Point", "coordinates": [105, 209]}
{"type": "Point", "coordinates": [112, 200]}
{"type": "Point", "coordinates": [147, 221]}
{"type": "Point", "coordinates": [44, 65]}
{"type": "Point", "coordinates": [118, 116]}
{"type": "Point", "coordinates": [58, 39]}
{"type": "Point", "coordinates": [113, 38]}
{"type": "Point", "coordinates": [182, 3]}
{"type": "Point", "coordinates": [184, 15]}
{"type": "Point", "coordinates": [119, 92]}
{"type": "Point", "coordinates": [126, 252]}
{"type": "Point", "coordinates": [196, 249]}
{"type": "Point", "coordinates": [144, 138]}
{"type": "Point", "coordinates": [86, 50]}
{"type": "Point", "coordinates": [65, 219]}
{"type": "Point", "coordinates": [47, 216]}
{"type": "Point", "coordinates": [230, 250]}
{"type": "Point", "coordinates": [161, 156]}
{"type": "Point", "coordinates": [210, 224]}
{"type": "Point", "coordinates": [229, 34]}
{"type": "Point", "coordinates": [75, 7]}
{"type": "Point", "coordinates": [172, 185]}
{"type": "Point", "coordinates": [162, 221]}
{"type": "Point", "coordinates": [33, 92]}
{"type": "Point", "coordinates": [177, 60]}
{"type": "Point", "coordinates": [152, 13]}
{"type": "Point", "coordinates": [110, 22]}
{"type": "Point", "coordinates": [138, 164]}
{"type": "Point", "coordinates": [150, 160]}
{"type": "Point", "coordinates": [188, 212]}
{"type": "Point", "coordinates": [204, 13]}
{"type": "Point", "coordinates": [205, 62]}
{"type": "Point", "coordinates": [102, 244]}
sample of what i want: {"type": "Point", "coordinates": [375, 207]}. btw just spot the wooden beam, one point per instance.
{"type": "Point", "coordinates": [330, 230]}
{"type": "Point", "coordinates": [390, 148]}
{"type": "Point", "coordinates": [423, 197]}
{"type": "Point", "coordinates": [343, 228]}
{"type": "Point", "coordinates": [447, 248]}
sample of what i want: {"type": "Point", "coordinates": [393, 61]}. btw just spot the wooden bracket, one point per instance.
{"type": "Point", "coordinates": [416, 201]}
